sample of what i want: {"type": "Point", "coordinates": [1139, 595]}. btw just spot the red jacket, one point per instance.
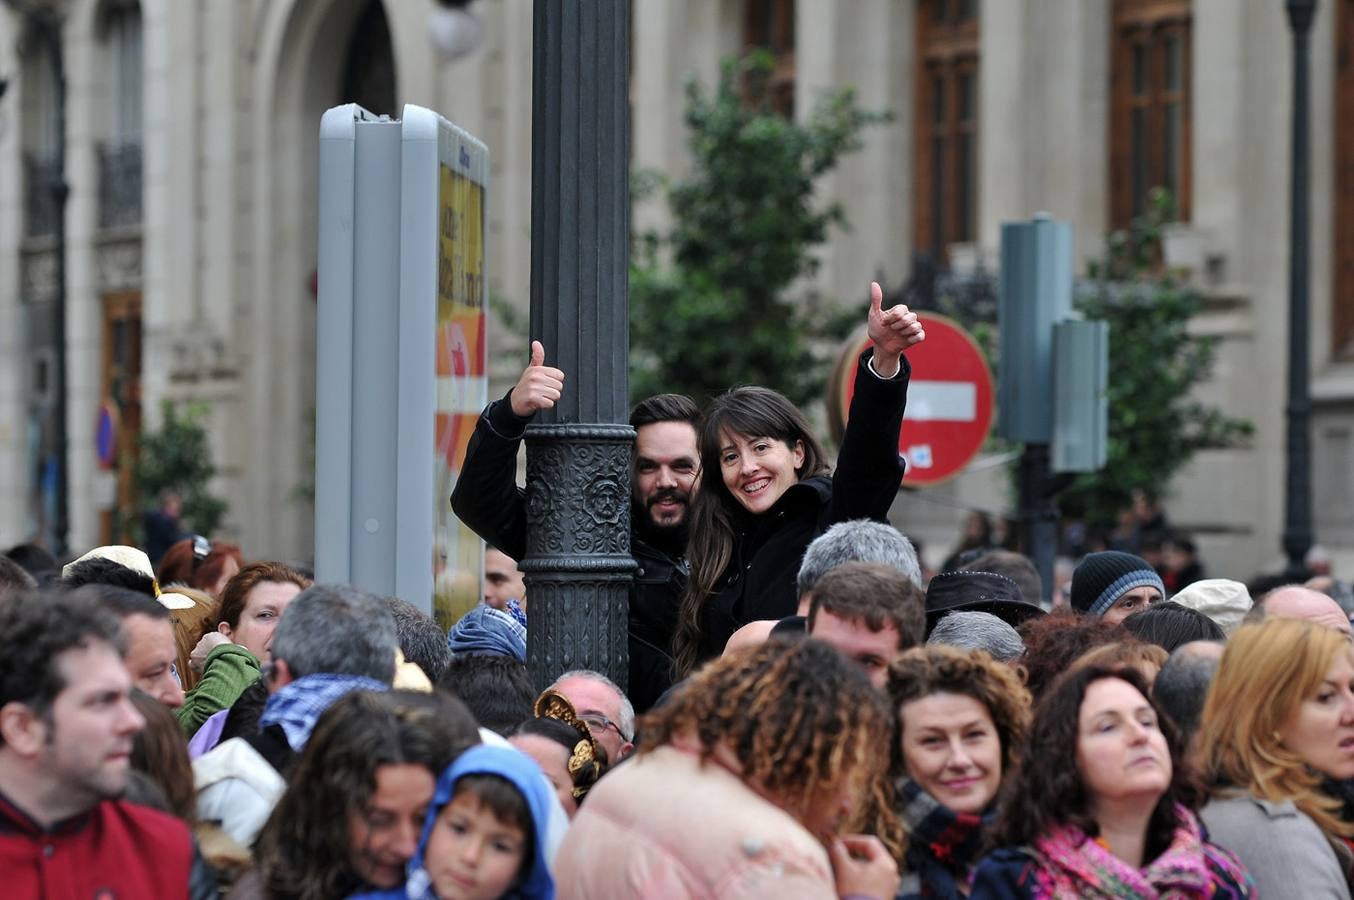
{"type": "Point", "coordinates": [116, 851]}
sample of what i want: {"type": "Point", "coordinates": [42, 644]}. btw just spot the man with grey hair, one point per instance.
{"type": "Point", "coordinates": [859, 540]}
{"type": "Point", "coordinates": [1181, 687]}
{"type": "Point", "coordinates": [601, 703]}
{"type": "Point", "coordinates": [969, 630]}
{"type": "Point", "coordinates": [332, 639]}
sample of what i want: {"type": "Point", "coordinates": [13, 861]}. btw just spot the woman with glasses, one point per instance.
{"type": "Point", "coordinates": [744, 787]}
{"type": "Point", "coordinates": [1277, 741]}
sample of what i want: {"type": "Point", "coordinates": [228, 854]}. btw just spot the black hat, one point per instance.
{"type": "Point", "coordinates": [1101, 578]}
{"type": "Point", "coordinates": [977, 592]}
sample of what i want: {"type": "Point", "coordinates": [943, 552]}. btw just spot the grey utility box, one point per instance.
{"type": "Point", "coordinates": [1035, 293]}
{"type": "Point", "coordinates": [1081, 354]}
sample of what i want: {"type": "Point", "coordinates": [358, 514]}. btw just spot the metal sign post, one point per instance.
{"type": "Point", "coordinates": [400, 351]}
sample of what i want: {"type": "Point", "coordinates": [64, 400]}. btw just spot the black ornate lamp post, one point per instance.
{"type": "Point", "coordinates": [1297, 534]}
{"type": "Point", "coordinates": [578, 564]}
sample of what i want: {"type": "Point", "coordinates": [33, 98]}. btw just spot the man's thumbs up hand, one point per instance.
{"type": "Point", "coordinates": [538, 388]}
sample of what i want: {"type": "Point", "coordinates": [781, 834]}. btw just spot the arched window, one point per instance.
{"type": "Point", "coordinates": [369, 64]}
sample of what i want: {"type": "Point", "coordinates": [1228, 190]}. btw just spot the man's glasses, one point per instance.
{"type": "Point", "coordinates": [599, 722]}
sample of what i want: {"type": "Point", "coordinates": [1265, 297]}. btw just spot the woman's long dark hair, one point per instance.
{"type": "Point", "coordinates": [1046, 792]}
{"type": "Point", "coordinates": [304, 849]}
{"type": "Point", "coordinates": [751, 412]}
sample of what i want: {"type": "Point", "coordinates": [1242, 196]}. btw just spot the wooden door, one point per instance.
{"type": "Point", "coordinates": [121, 387]}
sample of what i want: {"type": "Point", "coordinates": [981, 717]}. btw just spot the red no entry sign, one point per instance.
{"type": "Point", "coordinates": [949, 402]}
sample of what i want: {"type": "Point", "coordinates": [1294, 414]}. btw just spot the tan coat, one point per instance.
{"type": "Point", "coordinates": [666, 826]}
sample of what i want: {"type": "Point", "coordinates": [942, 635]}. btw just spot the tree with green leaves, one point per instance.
{"type": "Point", "coordinates": [744, 228]}
{"type": "Point", "coordinates": [177, 457]}
{"type": "Point", "coordinates": [1156, 424]}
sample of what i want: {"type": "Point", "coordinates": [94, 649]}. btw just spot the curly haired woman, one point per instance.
{"type": "Point", "coordinates": [741, 788]}
{"type": "Point", "coordinates": [961, 722]}
{"type": "Point", "coordinates": [1100, 806]}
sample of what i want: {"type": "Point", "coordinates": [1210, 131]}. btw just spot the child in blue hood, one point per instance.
{"type": "Point", "coordinates": [484, 837]}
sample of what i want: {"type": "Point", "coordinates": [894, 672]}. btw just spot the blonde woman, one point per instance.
{"type": "Point", "coordinates": [1277, 733]}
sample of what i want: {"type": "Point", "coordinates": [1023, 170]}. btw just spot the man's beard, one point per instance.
{"type": "Point", "coordinates": [668, 538]}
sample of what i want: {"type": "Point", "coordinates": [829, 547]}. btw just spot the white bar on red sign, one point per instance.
{"type": "Point", "coordinates": [942, 401]}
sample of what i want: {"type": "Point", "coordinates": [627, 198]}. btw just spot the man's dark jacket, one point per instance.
{"type": "Point", "coordinates": [487, 499]}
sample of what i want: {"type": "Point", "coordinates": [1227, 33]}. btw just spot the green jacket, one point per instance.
{"type": "Point", "coordinates": [228, 670]}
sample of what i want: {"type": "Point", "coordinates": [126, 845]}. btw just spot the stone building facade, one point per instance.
{"type": "Point", "coordinates": [191, 141]}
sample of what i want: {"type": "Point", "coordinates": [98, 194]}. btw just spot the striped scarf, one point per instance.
{"type": "Point", "coordinates": [942, 845]}
{"type": "Point", "coordinates": [298, 706]}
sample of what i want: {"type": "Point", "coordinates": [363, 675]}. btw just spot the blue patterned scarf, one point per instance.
{"type": "Point", "coordinates": [299, 705]}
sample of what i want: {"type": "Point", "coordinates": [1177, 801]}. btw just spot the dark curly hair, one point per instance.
{"type": "Point", "coordinates": [35, 629]}
{"type": "Point", "coordinates": [799, 717]}
{"type": "Point", "coordinates": [933, 669]}
{"type": "Point", "coordinates": [1052, 642]}
{"type": "Point", "coordinates": [1045, 792]}
{"type": "Point", "coordinates": [304, 849]}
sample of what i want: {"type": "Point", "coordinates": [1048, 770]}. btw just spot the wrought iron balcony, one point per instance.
{"type": "Point", "coordinates": [119, 185]}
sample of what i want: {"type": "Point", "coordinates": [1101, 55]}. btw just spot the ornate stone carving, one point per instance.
{"type": "Point", "coordinates": [39, 275]}
{"type": "Point", "coordinates": [119, 265]}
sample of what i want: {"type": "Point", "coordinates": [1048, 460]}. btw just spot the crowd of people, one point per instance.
{"type": "Point", "coordinates": [807, 713]}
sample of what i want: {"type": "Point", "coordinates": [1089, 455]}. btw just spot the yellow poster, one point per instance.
{"type": "Point", "coordinates": [461, 383]}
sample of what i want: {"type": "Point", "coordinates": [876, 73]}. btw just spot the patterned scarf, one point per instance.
{"type": "Point", "coordinates": [485, 631]}
{"type": "Point", "coordinates": [942, 844]}
{"type": "Point", "coordinates": [1073, 866]}
{"type": "Point", "coordinates": [299, 705]}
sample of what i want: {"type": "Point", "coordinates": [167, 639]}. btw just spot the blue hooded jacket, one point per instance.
{"type": "Point", "coordinates": [522, 772]}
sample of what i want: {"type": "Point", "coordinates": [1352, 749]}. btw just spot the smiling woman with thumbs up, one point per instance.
{"type": "Point", "coordinates": [767, 489]}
